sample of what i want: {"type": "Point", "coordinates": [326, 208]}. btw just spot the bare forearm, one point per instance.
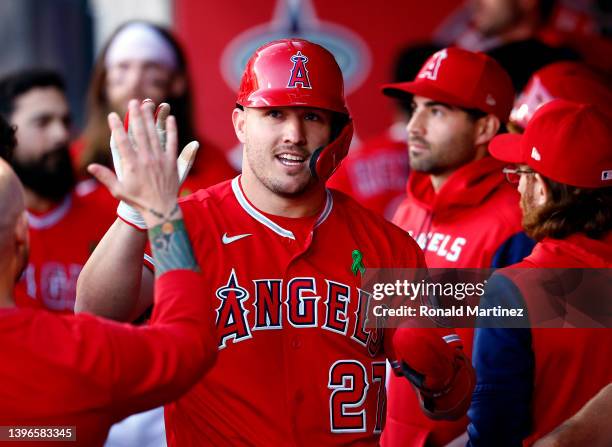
{"type": "Point", "coordinates": [590, 426]}
{"type": "Point", "coordinates": [110, 282]}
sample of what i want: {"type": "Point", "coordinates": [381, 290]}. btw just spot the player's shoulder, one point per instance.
{"type": "Point", "coordinates": [208, 197]}
{"type": "Point", "coordinates": [349, 206]}
{"type": "Point", "coordinates": [368, 223]}
{"type": "Point", "coordinates": [206, 207]}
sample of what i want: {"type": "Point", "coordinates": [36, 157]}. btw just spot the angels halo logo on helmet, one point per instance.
{"type": "Point", "coordinates": [276, 76]}
{"type": "Point", "coordinates": [299, 72]}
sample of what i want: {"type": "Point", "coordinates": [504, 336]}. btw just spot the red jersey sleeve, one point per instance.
{"type": "Point", "coordinates": [129, 369]}
{"type": "Point", "coordinates": [158, 363]}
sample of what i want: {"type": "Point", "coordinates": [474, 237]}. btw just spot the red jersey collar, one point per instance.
{"type": "Point", "coordinates": [50, 218]}
{"type": "Point", "coordinates": [261, 218]}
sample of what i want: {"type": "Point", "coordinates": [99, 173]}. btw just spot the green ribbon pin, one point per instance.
{"type": "Point", "coordinates": [357, 263]}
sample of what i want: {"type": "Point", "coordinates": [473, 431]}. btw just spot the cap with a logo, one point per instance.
{"type": "Point", "coordinates": [565, 141]}
{"type": "Point", "coordinates": [461, 78]}
{"type": "Point", "coordinates": [569, 80]}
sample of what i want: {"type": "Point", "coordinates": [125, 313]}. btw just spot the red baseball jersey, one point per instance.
{"type": "Point", "coordinates": [296, 363]}
{"type": "Point", "coordinates": [61, 241]}
{"type": "Point", "coordinates": [87, 372]}
{"type": "Point", "coordinates": [210, 167]}
{"type": "Point", "coordinates": [375, 173]}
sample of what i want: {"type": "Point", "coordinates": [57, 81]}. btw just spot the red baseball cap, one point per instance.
{"type": "Point", "coordinates": [461, 78]}
{"type": "Point", "coordinates": [566, 141]}
{"type": "Point", "coordinates": [567, 80]}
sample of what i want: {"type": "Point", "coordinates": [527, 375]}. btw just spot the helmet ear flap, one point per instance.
{"type": "Point", "coordinates": [326, 159]}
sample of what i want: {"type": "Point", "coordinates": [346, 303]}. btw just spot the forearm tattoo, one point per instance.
{"type": "Point", "coordinates": [171, 247]}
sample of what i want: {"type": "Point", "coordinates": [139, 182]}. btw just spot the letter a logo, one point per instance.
{"type": "Point", "coordinates": [430, 70]}
{"type": "Point", "coordinates": [299, 73]}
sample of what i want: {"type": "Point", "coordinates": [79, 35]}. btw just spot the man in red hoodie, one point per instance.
{"type": "Point", "coordinates": [458, 207]}
{"type": "Point", "coordinates": [531, 380]}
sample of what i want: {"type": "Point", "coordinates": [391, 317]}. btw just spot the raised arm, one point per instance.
{"type": "Point", "coordinates": [113, 283]}
{"type": "Point", "coordinates": [146, 366]}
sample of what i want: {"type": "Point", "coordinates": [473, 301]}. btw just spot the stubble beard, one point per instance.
{"type": "Point", "coordinates": [286, 189]}
{"type": "Point", "coordinates": [423, 162]}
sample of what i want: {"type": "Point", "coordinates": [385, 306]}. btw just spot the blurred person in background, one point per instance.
{"type": "Point", "coordinates": [512, 32]}
{"type": "Point", "coordinates": [525, 35]}
{"type": "Point", "coordinates": [142, 60]}
{"type": "Point", "coordinates": [375, 172]}
{"type": "Point", "coordinates": [569, 80]}
{"type": "Point", "coordinates": [66, 219]}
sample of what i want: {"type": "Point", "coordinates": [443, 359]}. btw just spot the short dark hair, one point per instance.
{"type": "Point", "coordinates": [476, 114]}
{"type": "Point", "coordinates": [16, 84]}
{"type": "Point", "coordinates": [7, 140]}
{"type": "Point", "coordinates": [571, 210]}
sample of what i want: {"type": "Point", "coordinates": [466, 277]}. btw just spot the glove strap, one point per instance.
{"type": "Point", "coordinates": [130, 216]}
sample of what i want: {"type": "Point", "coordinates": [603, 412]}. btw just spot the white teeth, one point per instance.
{"type": "Point", "coordinates": [290, 157]}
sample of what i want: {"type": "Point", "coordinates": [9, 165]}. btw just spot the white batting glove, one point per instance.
{"type": "Point", "coordinates": [184, 162]}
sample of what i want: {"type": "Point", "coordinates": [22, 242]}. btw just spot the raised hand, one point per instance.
{"type": "Point", "coordinates": [126, 212]}
{"type": "Point", "coordinates": [147, 179]}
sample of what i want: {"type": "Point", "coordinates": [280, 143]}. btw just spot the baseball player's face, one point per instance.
{"type": "Point", "coordinates": [42, 119]}
{"type": "Point", "coordinates": [440, 137]}
{"type": "Point", "coordinates": [278, 143]}
{"type": "Point", "coordinates": [137, 79]}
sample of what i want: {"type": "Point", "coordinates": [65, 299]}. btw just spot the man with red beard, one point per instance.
{"type": "Point", "coordinates": [532, 378]}
{"type": "Point", "coordinates": [66, 219]}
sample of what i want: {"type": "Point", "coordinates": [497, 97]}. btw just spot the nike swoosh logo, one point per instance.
{"type": "Point", "coordinates": [229, 239]}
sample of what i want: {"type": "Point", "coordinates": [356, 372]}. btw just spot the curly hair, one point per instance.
{"type": "Point", "coordinates": [571, 210]}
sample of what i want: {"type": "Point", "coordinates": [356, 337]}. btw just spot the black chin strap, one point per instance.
{"type": "Point", "coordinates": [312, 164]}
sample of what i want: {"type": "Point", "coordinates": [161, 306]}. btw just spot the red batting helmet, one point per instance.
{"type": "Point", "coordinates": [299, 73]}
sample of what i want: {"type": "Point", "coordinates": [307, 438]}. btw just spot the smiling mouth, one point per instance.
{"type": "Point", "coordinates": [291, 159]}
